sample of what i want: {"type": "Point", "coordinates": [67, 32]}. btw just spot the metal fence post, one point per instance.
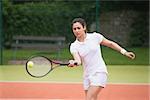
{"type": "Point", "coordinates": [98, 15]}
{"type": "Point", "coordinates": [1, 34]}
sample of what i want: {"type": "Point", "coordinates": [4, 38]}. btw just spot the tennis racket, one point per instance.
{"type": "Point", "coordinates": [40, 66]}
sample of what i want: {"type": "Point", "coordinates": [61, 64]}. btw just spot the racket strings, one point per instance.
{"type": "Point", "coordinates": [41, 66]}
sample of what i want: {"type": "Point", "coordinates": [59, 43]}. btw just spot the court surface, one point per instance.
{"type": "Point", "coordinates": [125, 83]}
{"type": "Point", "coordinates": [69, 91]}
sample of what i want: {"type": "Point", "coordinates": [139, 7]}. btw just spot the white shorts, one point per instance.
{"type": "Point", "coordinates": [97, 79]}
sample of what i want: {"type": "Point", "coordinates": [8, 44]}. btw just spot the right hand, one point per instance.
{"type": "Point", "coordinates": [72, 63]}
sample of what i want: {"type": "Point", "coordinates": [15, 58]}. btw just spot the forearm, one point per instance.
{"type": "Point", "coordinates": [117, 47]}
{"type": "Point", "coordinates": [75, 61]}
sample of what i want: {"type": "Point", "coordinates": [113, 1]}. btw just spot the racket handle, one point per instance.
{"type": "Point", "coordinates": [75, 63]}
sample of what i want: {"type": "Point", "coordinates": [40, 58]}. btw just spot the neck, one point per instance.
{"type": "Point", "coordinates": [82, 38]}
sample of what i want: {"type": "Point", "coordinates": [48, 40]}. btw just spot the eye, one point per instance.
{"type": "Point", "coordinates": [74, 28]}
{"type": "Point", "coordinates": [78, 28]}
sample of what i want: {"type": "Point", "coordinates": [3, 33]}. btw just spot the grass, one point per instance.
{"type": "Point", "coordinates": [129, 74]}
{"type": "Point", "coordinates": [117, 74]}
{"type": "Point", "coordinates": [110, 56]}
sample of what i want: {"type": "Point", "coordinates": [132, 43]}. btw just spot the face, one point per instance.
{"type": "Point", "coordinates": [78, 29]}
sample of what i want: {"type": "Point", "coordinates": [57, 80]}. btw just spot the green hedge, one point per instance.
{"type": "Point", "coordinates": [139, 35]}
{"type": "Point", "coordinates": [48, 19]}
{"type": "Point", "coordinates": [53, 18]}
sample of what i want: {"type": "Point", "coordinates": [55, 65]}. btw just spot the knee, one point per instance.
{"type": "Point", "coordinates": [91, 96]}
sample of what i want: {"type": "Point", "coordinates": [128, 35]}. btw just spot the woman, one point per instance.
{"type": "Point", "coordinates": [86, 51]}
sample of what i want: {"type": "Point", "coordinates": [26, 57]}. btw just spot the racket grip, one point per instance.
{"type": "Point", "coordinates": [75, 63]}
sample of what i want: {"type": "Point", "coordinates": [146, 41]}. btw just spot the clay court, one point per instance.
{"type": "Point", "coordinates": [70, 91]}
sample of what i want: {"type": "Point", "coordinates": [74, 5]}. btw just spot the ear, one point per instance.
{"type": "Point", "coordinates": [84, 28]}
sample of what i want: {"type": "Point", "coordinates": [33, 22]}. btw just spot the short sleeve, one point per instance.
{"type": "Point", "coordinates": [98, 37]}
{"type": "Point", "coordinates": [73, 48]}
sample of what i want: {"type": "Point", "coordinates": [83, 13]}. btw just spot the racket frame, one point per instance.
{"type": "Point", "coordinates": [51, 62]}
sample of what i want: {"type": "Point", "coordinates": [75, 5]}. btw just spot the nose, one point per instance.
{"type": "Point", "coordinates": [76, 30]}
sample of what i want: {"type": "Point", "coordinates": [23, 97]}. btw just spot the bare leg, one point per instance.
{"type": "Point", "coordinates": [93, 92]}
{"type": "Point", "coordinates": [86, 93]}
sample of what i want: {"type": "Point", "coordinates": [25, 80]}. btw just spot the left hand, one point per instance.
{"type": "Point", "coordinates": [130, 55]}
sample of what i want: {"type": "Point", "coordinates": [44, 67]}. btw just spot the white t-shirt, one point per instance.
{"type": "Point", "coordinates": [90, 53]}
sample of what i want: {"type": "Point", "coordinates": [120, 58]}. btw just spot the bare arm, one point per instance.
{"type": "Point", "coordinates": [118, 48]}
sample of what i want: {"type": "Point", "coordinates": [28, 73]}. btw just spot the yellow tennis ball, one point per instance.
{"type": "Point", "coordinates": [30, 64]}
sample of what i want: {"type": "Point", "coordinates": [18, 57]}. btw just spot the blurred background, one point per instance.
{"type": "Point", "coordinates": [125, 22]}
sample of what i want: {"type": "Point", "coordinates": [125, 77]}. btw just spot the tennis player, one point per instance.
{"type": "Point", "coordinates": [86, 51]}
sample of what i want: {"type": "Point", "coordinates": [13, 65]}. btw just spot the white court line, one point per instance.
{"type": "Point", "coordinates": [35, 99]}
{"type": "Point", "coordinates": [57, 82]}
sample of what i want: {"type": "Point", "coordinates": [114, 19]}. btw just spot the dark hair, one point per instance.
{"type": "Point", "coordinates": [80, 20]}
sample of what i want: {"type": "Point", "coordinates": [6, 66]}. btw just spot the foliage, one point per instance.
{"type": "Point", "coordinates": [139, 35]}
{"type": "Point", "coordinates": [119, 5]}
{"type": "Point", "coordinates": [53, 17]}
{"type": "Point", "coordinates": [48, 19]}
